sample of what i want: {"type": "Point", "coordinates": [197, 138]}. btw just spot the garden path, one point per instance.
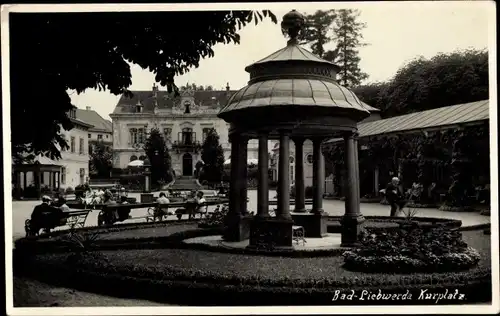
{"type": "Point", "coordinates": [21, 210]}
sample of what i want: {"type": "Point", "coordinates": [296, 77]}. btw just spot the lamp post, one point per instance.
{"type": "Point", "coordinates": [147, 176]}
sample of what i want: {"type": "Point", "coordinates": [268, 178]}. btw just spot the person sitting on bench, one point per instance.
{"type": "Point", "coordinates": [123, 213]}
{"type": "Point", "coordinates": [159, 212]}
{"type": "Point", "coordinates": [45, 216]}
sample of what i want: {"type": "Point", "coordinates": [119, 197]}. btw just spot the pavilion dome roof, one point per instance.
{"type": "Point", "coordinates": [292, 52]}
{"type": "Point", "coordinates": [294, 80]}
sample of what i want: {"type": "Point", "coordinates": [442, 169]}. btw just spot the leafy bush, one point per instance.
{"type": "Point", "coordinates": [437, 249]}
{"type": "Point", "coordinates": [69, 190]}
{"type": "Point", "coordinates": [216, 218]}
{"type": "Point", "coordinates": [308, 192]}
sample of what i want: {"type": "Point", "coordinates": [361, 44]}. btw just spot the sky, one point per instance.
{"type": "Point", "coordinates": [396, 33]}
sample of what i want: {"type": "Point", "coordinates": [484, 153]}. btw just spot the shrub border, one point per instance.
{"type": "Point", "coordinates": [192, 288]}
{"type": "Point", "coordinates": [31, 244]}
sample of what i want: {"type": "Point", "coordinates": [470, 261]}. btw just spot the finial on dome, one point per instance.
{"type": "Point", "coordinates": [293, 23]}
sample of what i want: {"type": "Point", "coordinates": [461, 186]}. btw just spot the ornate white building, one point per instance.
{"type": "Point", "coordinates": [184, 122]}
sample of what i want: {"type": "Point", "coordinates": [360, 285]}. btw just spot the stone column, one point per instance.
{"type": "Point", "coordinates": [284, 177]}
{"type": "Point", "coordinates": [58, 180]}
{"type": "Point", "coordinates": [352, 219]}
{"type": "Point", "coordinates": [38, 183]}
{"type": "Point", "coordinates": [234, 191]}
{"type": "Point", "coordinates": [318, 176]}
{"type": "Point", "coordinates": [263, 185]}
{"type": "Point", "coordinates": [243, 170]}
{"type": "Point", "coordinates": [238, 224]}
{"type": "Point", "coordinates": [300, 206]}
{"type": "Point", "coordinates": [356, 169]}
{"type": "Point", "coordinates": [25, 179]}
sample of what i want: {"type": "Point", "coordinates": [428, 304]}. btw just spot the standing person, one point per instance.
{"type": "Point", "coordinates": [393, 196]}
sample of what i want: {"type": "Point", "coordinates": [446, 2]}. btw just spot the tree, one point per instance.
{"type": "Point", "coordinates": [342, 28]}
{"type": "Point", "coordinates": [445, 79]}
{"type": "Point", "coordinates": [157, 151]}
{"type": "Point", "coordinates": [317, 31]}
{"type": "Point", "coordinates": [53, 53]}
{"type": "Point", "coordinates": [101, 160]}
{"type": "Point", "coordinates": [348, 34]}
{"type": "Point", "coordinates": [212, 155]}
{"type": "Point", "coordinates": [372, 94]}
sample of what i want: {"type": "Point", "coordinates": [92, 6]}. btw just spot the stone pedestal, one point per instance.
{"type": "Point", "coordinates": [315, 225]}
{"type": "Point", "coordinates": [237, 227]}
{"type": "Point", "coordinates": [147, 198]}
{"type": "Point", "coordinates": [271, 234]}
{"type": "Point", "coordinates": [351, 228]}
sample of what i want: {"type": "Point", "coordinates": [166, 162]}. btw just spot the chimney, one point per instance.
{"type": "Point", "coordinates": [88, 108]}
{"type": "Point", "coordinates": [227, 87]}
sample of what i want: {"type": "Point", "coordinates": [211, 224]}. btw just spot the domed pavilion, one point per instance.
{"type": "Point", "coordinates": [292, 95]}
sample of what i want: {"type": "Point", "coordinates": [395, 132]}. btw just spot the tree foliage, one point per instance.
{"type": "Point", "coordinates": [53, 53]}
{"type": "Point", "coordinates": [212, 155]}
{"type": "Point", "coordinates": [344, 30]}
{"type": "Point", "coordinates": [101, 160]}
{"type": "Point", "coordinates": [423, 84]}
{"type": "Point", "coordinates": [372, 94]}
{"type": "Point", "coordinates": [348, 31]}
{"type": "Point", "coordinates": [157, 151]}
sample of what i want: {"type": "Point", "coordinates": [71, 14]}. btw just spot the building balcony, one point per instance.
{"type": "Point", "coordinates": [186, 146]}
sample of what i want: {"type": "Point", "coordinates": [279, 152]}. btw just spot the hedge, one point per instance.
{"type": "Point", "coordinates": [191, 286]}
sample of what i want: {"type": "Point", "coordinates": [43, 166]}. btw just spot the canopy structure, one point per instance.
{"type": "Point", "coordinates": [292, 95]}
{"type": "Point", "coordinates": [136, 163]}
{"type": "Point", "coordinates": [249, 162]}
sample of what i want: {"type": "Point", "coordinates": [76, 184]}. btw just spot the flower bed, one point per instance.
{"type": "Point", "coordinates": [430, 250]}
{"type": "Point", "coordinates": [207, 278]}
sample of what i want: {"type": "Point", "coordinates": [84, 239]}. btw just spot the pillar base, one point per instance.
{"type": "Point", "coordinates": [237, 227]}
{"type": "Point", "coordinates": [271, 234]}
{"type": "Point", "coordinates": [315, 225]}
{"type": "Point", "coordinates": [352, 226]}
{"type": "Point", "coordinates": [303, 210]}
{"type": "Point", "coordinates": [147, 198]}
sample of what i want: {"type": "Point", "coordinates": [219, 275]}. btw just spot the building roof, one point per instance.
{"type": "Point", "coordinates": [291, 53]}
{"type": "Point", "coordinates": [369, 107]}
{"type": "Point", "coordinates": [93, 118]}
{"type": "Point", "coordinates": [210, 98]}
{"type": "Point", "coordinates": [435, 118]}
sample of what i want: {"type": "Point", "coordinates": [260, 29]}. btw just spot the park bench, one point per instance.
{"type": "Point", "coordinates": [73, 219]}
{"type": "Point", "coordinates": [107, 216]}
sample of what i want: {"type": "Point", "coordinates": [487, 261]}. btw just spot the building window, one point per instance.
{"type": "Point", "coordinates": [140, 136]}
{"type": "Point", "coordinates": [72, 145]}
{"type": "Point", "coordinates": [133, 136]}
{"type": "Point", "coordinates": [82, 148]}
{"type": "Point", "coordinates": [167, 134]}
{"type": "Point", "coordinates": [99, 136]}
{"type": "Point", "coordinates": [64, 137]}
{"type": "Point", "coordinates": [187, 107]}
{"type": "Point", "coordinates": [90, 136]}
{"type": "Point", "coordinates": [138, 108]}
{"type": "Point", "coordinates": [206, 131]}
{"type": "Point", "coordinates": [187, 135]}
{"type": "Point", "coordinates": [134, 157]}
{"type": "Point", "coordinates": [309, 159]}
{"type": "Point", "coordinates": [107, 136]}
{"type": "Point", "coordinates": [63, 175]}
